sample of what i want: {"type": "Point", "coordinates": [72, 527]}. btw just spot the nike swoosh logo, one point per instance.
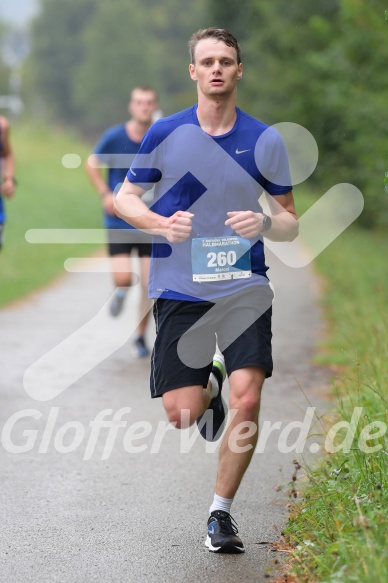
{"type": "Point", "coordinates": [132, 172]}
{"type": "Point", "coordinates": [242, 151]}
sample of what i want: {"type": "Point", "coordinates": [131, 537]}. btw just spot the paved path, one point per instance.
{"type": "Point", "coordinates": [134, 516]}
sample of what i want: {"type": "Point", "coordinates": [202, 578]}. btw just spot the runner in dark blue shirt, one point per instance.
{"type": "Point", "coordinates": [175, 149]}
{"type": "Point", "coordinates": [210, 165]}
{"type": "Point", "coordinates": [115, 150]}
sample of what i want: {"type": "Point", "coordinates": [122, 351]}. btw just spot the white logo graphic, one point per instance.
{"type": "Point", "coordinates": [242, 151]}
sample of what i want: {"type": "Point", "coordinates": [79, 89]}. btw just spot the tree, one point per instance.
{"type": "Point", "coordinates": [57, 50]}
{"type": "Point", "coordinates": [322, 65]}
{"type": "Point", "coordinates": [88, 54]}
{"type": "Point", "coordinates": [145, 44]}
{"type": "Point", "coordinates": [4, 69]}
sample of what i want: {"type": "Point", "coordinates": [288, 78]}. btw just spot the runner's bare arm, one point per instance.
{"type": "Point", "coordinates": [285, 224]}
{"type": "Point", "coordinates": [8, 184]}
{"type": "Point", "coordinates": [130, 207]}
{"type": "Point", "coordinates": [94, 172]}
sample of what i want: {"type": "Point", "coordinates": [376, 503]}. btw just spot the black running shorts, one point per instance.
{"type": "Point", "coordinates": [123, 241]}
{"type": "Point", "coordinates": [186, 334]}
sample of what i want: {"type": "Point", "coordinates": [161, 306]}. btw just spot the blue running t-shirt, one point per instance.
{"type": "Point", "coordinates": [208, 176]}
{"type": "Point", "coordinates": [116, 150]}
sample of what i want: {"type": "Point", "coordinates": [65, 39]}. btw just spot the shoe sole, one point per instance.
{"type": "Point", "coordinates": [219, 362]}
{"type": "Point", "coordinates": [227, 548]}
{"type": "Point", "coordinates": [217, 436]}
{"type": "Point", "coordinates": [219, 359]}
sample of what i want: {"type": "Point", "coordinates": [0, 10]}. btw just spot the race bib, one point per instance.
{"type": "Point", "coordinates": [220, 258]}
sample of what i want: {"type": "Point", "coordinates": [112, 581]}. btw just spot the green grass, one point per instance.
{"type": "Point", "coordinates": [48, 196]}
{"type": "Point", "coordinates": [339, 531]}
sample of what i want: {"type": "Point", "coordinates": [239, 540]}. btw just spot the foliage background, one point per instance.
{"type": "Point", "coordinates": [319, 64]}
{"type": "Point", "coordinates": [322, 65]}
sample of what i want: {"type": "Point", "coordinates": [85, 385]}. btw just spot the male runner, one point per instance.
{"type": "Point", "coordinates": [7, 171]}
{"type": "Point", "coordinates": [115, 149]}
{"type": "Point", "coordinates": [210, 164]}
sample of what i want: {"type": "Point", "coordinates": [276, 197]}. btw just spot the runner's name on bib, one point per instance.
{"type": "Point", "coordinates": [220, 258]}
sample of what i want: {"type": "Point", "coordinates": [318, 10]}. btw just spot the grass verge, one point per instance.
{"type": "Point", "coordinates": [48, 196]}
{"type": "Point", "coordinates": [339, 532]}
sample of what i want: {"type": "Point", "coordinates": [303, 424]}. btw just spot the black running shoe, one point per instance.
{"type": "Point", "coordinates": [222, 534]}
{"type": "Point", "coordinates": [211, 422]}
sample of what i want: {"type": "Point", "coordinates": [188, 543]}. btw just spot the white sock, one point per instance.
{"type": "Point", "coordinates": [214, 386]}
{"type": "Point", "coordinates": [220, 503]}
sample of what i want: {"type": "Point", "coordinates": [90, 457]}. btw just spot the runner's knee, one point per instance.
{"type": "Point", "coordinates": [247, 405]}
{"type": "Point", "coordinates": [183, 406]}
{"type": "Point", "coordinates": [181, 418]}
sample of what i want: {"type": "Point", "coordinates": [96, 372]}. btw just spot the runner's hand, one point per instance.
{"type": "Point", "coordinates": [179, 227]}
{"type": "Point", "coordinates": [246, 224]}
{"type": "Point", "coordinates": [7, 187]}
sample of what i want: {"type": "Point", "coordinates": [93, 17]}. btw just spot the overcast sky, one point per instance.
{"type": "Point", "coordinates": [17, 12]}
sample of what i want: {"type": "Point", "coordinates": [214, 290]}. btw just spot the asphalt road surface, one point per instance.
{"type": "Point", "coordinates": [128, 502]}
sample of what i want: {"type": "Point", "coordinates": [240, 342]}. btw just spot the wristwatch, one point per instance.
{"type": "Point", "coordinates": [267, 223]}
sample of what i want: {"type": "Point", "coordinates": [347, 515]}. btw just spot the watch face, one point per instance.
{"type": "Point", "coordinates": [267, 223]}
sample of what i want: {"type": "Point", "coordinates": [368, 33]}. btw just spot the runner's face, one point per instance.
{"type": "Point", "coordinates": [142, 106]}
{"type": "Point", "coordinates": [215, 69]}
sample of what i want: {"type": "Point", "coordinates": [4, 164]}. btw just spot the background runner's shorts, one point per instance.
{"type": "Point", "coordinates": [186, 337]}
{"type": "Point", "coordinates": [123, 241]}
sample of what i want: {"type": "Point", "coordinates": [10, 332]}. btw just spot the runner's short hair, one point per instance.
{"type": "Point", "coordinates": [146, 88]}
{"type": "Point", "coordinates": [217, 33]}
